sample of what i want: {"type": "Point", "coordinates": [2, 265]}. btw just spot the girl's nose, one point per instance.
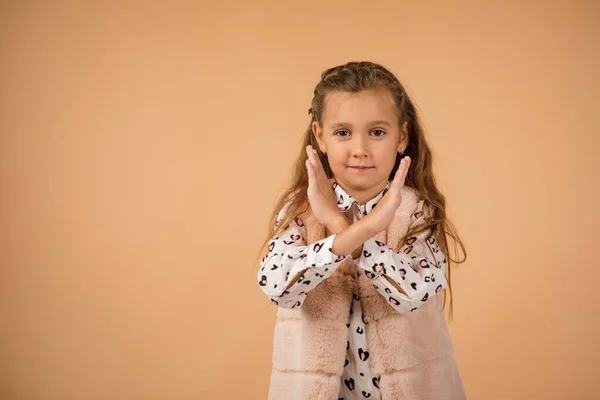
{"type": "Point", "coordinates": [359, 148]}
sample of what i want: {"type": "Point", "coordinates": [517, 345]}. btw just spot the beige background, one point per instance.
{"type": "Point", "coordinates": [143, 146]}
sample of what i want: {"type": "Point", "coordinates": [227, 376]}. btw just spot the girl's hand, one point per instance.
{"type": "Point", "coordinates": [382, 215]}
{"type": "Point", "coordinates": [320, 194]}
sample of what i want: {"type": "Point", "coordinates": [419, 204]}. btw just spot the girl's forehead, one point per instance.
{"type": "Point", "coordinates": [358, 107]}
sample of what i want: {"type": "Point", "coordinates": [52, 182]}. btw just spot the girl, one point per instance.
{"type": "Point", "coordinates": [356, 252]}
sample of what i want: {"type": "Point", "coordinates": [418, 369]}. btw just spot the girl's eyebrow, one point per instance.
{"type": "Point", "coordinates": [377, 122]}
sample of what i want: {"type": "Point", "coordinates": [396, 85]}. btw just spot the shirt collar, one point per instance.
{"type": "Point", "coordinates": [345, 201]}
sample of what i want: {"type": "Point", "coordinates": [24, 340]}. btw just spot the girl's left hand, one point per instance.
{"type": "Point", "coordinates": [320, 194]}
{"type": "Point", "coordinates": [382, 215]}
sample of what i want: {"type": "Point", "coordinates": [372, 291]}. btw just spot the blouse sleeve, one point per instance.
{"type": "Point", "coordinates": [418, 268]}
{"type": "Point", "coordinates": [292, 268]}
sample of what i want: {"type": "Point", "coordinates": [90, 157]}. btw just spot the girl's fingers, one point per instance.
{"type": "Point", "coordinates": [319, 171]}
{"type": "Point", "coordinates": [310, 154]}
{"type": "Point", "coordinates": [310, 171]}
{"type": "Point", "coordinates": [397, 176]}
{"type": "Point", "coordinates": [401, 172]}
{"type": "Point", "coordinates": [316, 173]}
{"type": "Point", "coordinates": [405, 170]}
{"type": "Point", "coordinates": [308, 151]}
{"type": "Point", "coordinates": [309, 162]}
{"type": "Point", "coordinates": [319, 167]}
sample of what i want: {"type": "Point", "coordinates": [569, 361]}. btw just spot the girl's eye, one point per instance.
{"type": "Point", "coordinates": [379, 130]}
{"type": "Point", "coordinates": [343, 130]}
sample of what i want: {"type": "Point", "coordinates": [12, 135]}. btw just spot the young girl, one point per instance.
{"type": "Point", "coordinates": [356, 252]}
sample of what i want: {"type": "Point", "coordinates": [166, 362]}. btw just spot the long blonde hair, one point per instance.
{"type": "Point", "coordinates": [354, 77]}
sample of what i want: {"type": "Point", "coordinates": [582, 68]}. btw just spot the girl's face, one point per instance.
{"type": "Point", "coordinates": [360, 129]}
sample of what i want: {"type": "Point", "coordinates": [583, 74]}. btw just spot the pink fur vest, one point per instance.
{"type": "Point", "coordinates": [412, 352]}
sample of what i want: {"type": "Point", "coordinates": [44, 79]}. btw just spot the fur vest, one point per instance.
{"type": "Point", "coordinates": [412, 353]}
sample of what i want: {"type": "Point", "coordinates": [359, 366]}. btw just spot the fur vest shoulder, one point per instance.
{"type": "Point", "coordinates": [412, 353]}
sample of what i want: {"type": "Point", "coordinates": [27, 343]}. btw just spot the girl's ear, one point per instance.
{"type": "Point", "coordinates": [403, 137]}
{"type": "Point", "coordinates": [318, 132]}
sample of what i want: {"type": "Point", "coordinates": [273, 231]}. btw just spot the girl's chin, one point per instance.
{"type": "Point", "coordinates": [360, 180]}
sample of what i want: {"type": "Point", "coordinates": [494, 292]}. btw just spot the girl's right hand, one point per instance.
{"type": "Point", "coordinates": [320, 194]}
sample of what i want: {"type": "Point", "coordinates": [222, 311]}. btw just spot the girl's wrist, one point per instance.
{"type": "Point", "coordinates": [338, 224]}
{"type": "Point", "coordinates": [367, 227]}
{"type": "Point", "coordinates": [350, 238]}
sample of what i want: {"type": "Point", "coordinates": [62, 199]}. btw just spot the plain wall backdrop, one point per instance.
{"type": "Point", "coordinates": [143, 146]}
